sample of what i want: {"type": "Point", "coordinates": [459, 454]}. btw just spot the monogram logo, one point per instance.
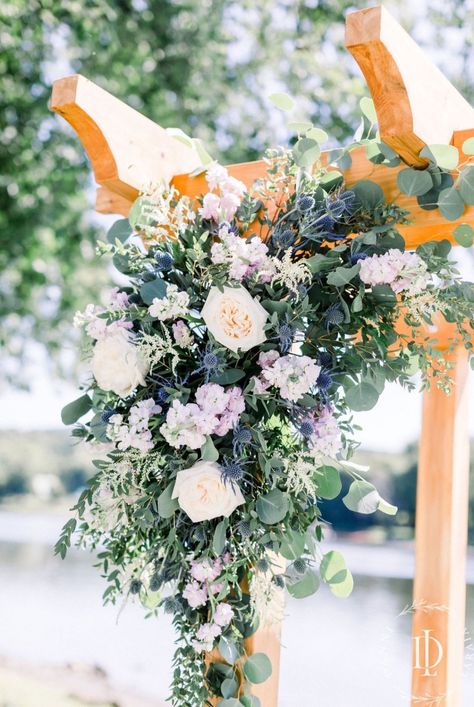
{"type": "Point", "coordinates": [428, 653]}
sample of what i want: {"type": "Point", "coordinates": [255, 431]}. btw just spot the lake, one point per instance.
{"type": "Point", "coordinates": [336, 653]}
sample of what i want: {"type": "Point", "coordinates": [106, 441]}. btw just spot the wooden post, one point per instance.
{"type": "Point", "coordinates": [441, 539]}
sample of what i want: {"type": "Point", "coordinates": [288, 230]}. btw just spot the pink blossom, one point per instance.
{"type": "Point", "coordinates": [195, 594]}
{"type": "Point", "coordinates": [118, 299]}
{"type": "Point", "coordinates": [267, 358]}
{"type": "Point", "coordinates": [208, 632]}
{"type": "Point", "coordinates": [402, 270]}
{"type": "Point", "coordinates": [260, 386]}
{"type": "Point", "coordinates": [216, 174]}
{"type": "Point", "coordinates": [210, 206]}
{"type": "Point", "coordinates": [229, 204]}
{"type": "Point", "coordinates": [212, 397]}
{"type": "Point", "coordinates": [223, 614]}
{"type": "Point", "coordinates": [326, 438]}
{"type": "Point", "coordinates": [204, 570]}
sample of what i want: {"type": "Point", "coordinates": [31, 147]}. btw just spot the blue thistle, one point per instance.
{"type": "Point", "coordinates": [356, 257]}
{"type": "Point", "coordinates": [305, 202]}
{"type": "Point", "coordinates": [243, 527]}
{"type": "Point", "coordinates": [285, 335]}
{"type": "Point", "coordinates": [324, 381]}
{"type": "Point", "coordinates": [232, 470]}
{"type": "Point", "coordinates": [211, 363]}
{"type": "Point", "coordinates": [164, 261]}
{"type": "Point", "coordinates": [325, 358]}
{"type": "Point", "coordinates": [334, 315]}
{"type": "Point", "coordinates": [242, 438]}
{"type": "Point", "coordinates": [283, 238]}
{"type": "Point", "coordinates": [306, 428]}
{"type": "Point", "coordinates": [325, 223]}
{"type": "Point", "coordinates": [135, 586]}
{"type": "Point", "coordinates": [107, 414]}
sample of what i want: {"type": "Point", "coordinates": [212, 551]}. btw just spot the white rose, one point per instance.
{"type": "Point", "coordinates": [202, 494]}
{"type": "Point", "coordinates": [117, 364]}
{"type": "Point", "coordinates": [235, 318]}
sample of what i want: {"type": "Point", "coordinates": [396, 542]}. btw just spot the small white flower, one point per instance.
{"type": "Point", "coordinates": [223, 614]}
{"type": "Point", "coordinates": [235, 318]}
{"type": "Point", "coordinates": [175, 304]}
{"type": "Point", "coordinates": [202, 494]}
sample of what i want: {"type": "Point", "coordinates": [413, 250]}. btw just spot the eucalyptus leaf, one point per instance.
{"type": "Point", "coordinates": [464, 235]}
{"type": "Point", "coordinates": [120, 230]}
{"type": "Point", "coordinates": [368, 194]}
{"type": "Point", "coordinates": [272, 507]}
{"type": "Point", "coordinates": [209, 452]}
{"type": "Point", "coordinates": [167, 505]}
{"type": "Point", "coordinates": [230, 375]}
{"type": "Point", "coordinates": [306, 151]}
{"type": "Point", "coordinates": [228, 650]}
{"type": "Point", "coordinates": [468, 146]}
{"type": "Point", "coordinates": [229, 687]}
{"type": "Point", "coordinates": [451, 204]}
{"type": "Point", "coordinates": [328, 480]}
{"type": "Point", "coordinates": [367, 107]}
{"type": "Point", "coordinates": [362, 497]}
{"type": "Point", "coordinates": [73, 411]}
{"type": "Point", "coordinates": [299, 126]}
{"type": "Point", "coordinates": [332, 564]}
{"type": "Point", "coordinates": [342, 276]}
{"type": "Point", "coordinates": [362, 396]}
{"type": "Point", "coordinates": [257, 668]}
{"type": "Point", "coordinates": [414, 182]}
{"type": "Point", "coordinates": [219, 538]}
{"type": "Point", "coordinates": [282, 101]}
{"type": "Point", "coordinates": [444, 156]}
{"type": "Point", "coordinates": [343, 589]}
{"type": "Point", "coordinates": [304, 587]}
{"type": "Point", "coordinates": [292, 544]}
{"type": "Point", "coordinates": [154, 288]}
{"type": "Point", "coordinates": [465, 183]}
{"type": "Point", "coordinates": [231, 702]}
{"type": "Point", "coordinates": [318, 134]}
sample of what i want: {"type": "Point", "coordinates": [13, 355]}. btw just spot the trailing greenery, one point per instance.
{"type": "Point", "coordinates": [224, 379]}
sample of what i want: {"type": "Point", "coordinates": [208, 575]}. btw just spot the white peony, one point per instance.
{"type": "Point", "coordinates": [235, 318]}
{"type": "Point", "coordinates": [202, 494]}
{"type": "Point", "coordinates": [117, 364]}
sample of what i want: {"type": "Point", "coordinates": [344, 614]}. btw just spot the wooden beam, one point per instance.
{"type": "Point", "coordinates": [424, 225]}
{"type": "Point", "coordinates": [441, 541]}
{"type": "Point", "coordinates": [415, 103]}
{"type": "Point", "coordinates": [127, 150]}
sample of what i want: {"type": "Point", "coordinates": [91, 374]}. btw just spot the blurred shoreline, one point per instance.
{"type": "Point", "coordinates": [24, 684]}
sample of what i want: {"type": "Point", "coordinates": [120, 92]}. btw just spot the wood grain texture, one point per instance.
{"type": "Point", "coordinates": [415, 102]}
{"type": "Point", "coordinates": [441, 540]}
{"type": "Point", "coordinates": [424, 225]}
{"type": "Point", "coordinates": [126, 149]}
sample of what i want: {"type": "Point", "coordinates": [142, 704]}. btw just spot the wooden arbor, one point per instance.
{"type": "Point", "coordinates": [416, 105]}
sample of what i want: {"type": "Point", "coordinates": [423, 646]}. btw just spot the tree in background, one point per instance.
{"type": "Point", "coordinates": [206, 66]}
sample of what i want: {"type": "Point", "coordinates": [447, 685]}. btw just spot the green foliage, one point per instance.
{"type": "Point", "coordinates": [257, 668]}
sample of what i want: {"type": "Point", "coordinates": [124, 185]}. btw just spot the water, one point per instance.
{"type": "Point", "coordinates": [336, 653]}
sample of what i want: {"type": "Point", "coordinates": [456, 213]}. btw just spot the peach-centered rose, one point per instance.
{"type": "Point", "coordinates": [235, 318]}
{"type": "Point", "coordinates": [202, 494]}
{"type": "Point", "coordinates": [117, 364]}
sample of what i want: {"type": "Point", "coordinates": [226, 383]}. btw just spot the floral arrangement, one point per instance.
{"type": "Point", "coordinates": [224, 375]}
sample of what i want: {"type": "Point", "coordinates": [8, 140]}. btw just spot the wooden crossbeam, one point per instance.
{"type": "Point", "coordinates": [127, 151]}
{"type": "Point", "coordinates": [415, 103]}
